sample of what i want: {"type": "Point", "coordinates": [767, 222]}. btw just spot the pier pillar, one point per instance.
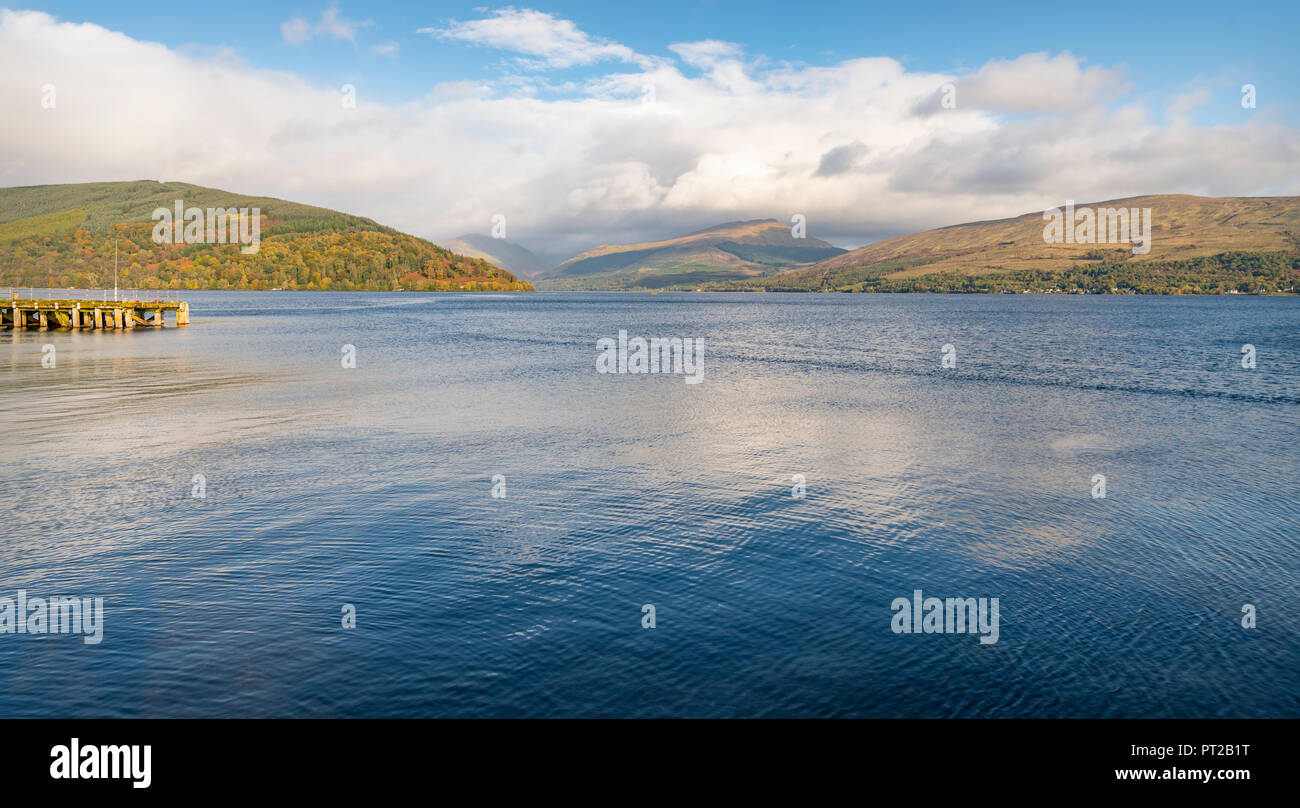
{"type": "Point", "coordinates": [158, 318]}
{"type": "Point", "coordinates": [42, 320]}
{"type": "Point", "coordinates": [183, 314]}
{"type": "Point", "coordinates": [75, 314]}
{"type": "Point", "coordinates": [117, 319]}
{"type": "Point", "coordinates": [18, 317]}
{"type": "Point", "coordinates": [99, 318]}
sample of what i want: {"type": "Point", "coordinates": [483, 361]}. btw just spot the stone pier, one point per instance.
{"type": "Point", "coordinates": [91, 314]}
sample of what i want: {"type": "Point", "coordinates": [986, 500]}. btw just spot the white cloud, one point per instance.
{"type": "Point", "coordinates": [1180, 109]}
{"type": "Point", "coordinates": [706, 53]}
{"type": "Point", "coordinates": [555, 42]}
{"type": "Point", "coordinates": [603, 160]}
{"type": "Point", "coordinates": [296, 30]}
{"type": "Point", "coordinates": [385, 49]}
{"type": "Point", "coordinates": [332, 23]}
{"type": "Point", "coordinates": [1038, 82]}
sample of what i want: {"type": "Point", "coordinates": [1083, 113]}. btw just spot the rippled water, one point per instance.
{"type": "Point", "coordinates": [372, 486]}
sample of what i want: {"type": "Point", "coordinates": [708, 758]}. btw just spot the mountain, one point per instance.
{"type": "Point", "coordinates": [64, 235]}
{"type": "Point", "coordinates": [737, 250]}
{"type": "Point", "coordinates": [1198, 245]}
{"type": "Point", "coordinates": [513, 258]}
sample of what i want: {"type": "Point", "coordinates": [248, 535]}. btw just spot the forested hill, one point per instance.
{"type": "Point", "coordinates": [63, 236]}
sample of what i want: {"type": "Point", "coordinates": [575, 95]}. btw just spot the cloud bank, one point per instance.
{"type": "Point", "coordinates": [641, 147]}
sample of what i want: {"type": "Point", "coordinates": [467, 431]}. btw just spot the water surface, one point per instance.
{"type": "Point", "coordinates": [372, 486]}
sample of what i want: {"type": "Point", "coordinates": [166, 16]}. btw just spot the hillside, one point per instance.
{"type": "Point", "coordinates": [1198, 245]}
{"type": "Point", "coordinates": [513, 258]}
{"type": "Point", "coordinates": [733, 251]}
{"type": "Point", "coordinates": [63, 236]}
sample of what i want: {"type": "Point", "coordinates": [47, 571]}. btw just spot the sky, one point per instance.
{"type": "Point", "coordinates": [586, 123]}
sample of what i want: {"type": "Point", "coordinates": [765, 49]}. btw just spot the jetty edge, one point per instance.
{"type": "Point", "coordinates": [46, 313]}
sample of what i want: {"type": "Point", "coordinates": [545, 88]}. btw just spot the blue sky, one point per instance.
{"type": "Point", "coordinates": [1165, 45]}
{"type": "Point", "coordinates": [587, 123]}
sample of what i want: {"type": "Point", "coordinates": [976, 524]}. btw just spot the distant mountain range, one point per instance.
{"type": "Point", "coordinates": [727, 252]}
{"type": "Point", "coordinates": [64, 236]}
{"type": "Point", "coordinates": [1199, 245]}
{"type": "Point", "coordinates": [513, 258]}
